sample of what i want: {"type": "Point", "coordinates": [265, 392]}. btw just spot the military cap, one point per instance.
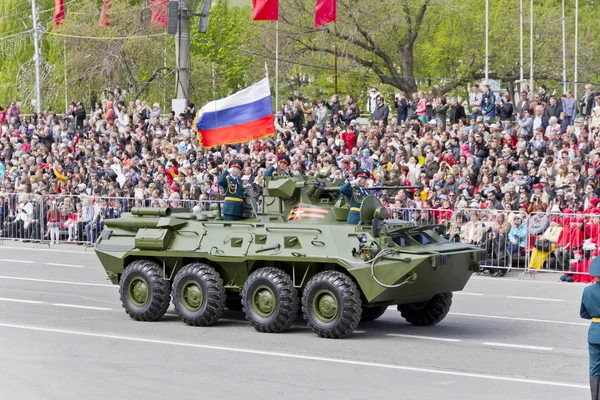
{"type": "Point", "coordinates": [283, 158]}
{"type": "Point", "coordinates": [236, 164]}
{"type": "Point", "coordinates": [361, 173]}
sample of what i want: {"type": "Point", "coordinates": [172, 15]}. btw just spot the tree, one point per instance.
{"type": "Point", "coordinates": [126, 54]}
{"type": "Point", "coordinates": [394, 44]}
{"type": "Point", "coordinates": [383, 45]}
{"type": "Point", "coordinates": [16, 49]}
{"type": "Point", "coordinates": [411, 44]}
{"type": "Point", "coordinates": [224, 59]}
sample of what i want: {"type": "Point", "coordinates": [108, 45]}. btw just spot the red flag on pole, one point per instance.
{"type": "Point", "coordinates": [59, 13]}
{"type": "Point", "coordinates": [324, 12]}
{"type": "Point", "coordinates": [158, 14]}
{"type": "Point", "coordinates": [265, 10]}
{"type": "Point", "coordinates": [104, 15]}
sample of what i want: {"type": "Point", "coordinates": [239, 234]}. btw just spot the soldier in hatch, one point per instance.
{"type": "Point", "coordinates": [283, 163]}
{"type": "Point", "coordinates": [230, 181]}
{"type": "Point", "coordinates": [355, 193]}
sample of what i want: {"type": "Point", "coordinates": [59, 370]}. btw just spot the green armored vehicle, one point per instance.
{"type": "Point", "coordinates": [294, 252]}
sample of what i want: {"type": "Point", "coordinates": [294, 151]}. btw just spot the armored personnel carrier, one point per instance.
{"type": "Point", "coordinates": [293, 253]}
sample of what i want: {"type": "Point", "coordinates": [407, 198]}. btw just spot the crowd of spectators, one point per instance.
{"type": "Point", "coordinates": [532, 151]}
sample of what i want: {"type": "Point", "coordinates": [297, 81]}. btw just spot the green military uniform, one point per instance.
{"type": "Point", "coordinates": [355, 196]}
{"type": "Point", "coordinates": [272, 170]}
{"type": "Point", "coordinates": [590, 309]}
{"type": "Point", "coordinates": [233, 207]}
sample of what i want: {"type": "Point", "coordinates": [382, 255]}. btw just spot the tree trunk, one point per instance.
{"type": "Point", "coordinates": [408, 69]}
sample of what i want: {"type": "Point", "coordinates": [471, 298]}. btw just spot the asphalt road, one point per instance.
{"type": "Point", "coordinates": [64, 335]}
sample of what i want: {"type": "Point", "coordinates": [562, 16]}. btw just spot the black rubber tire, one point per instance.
{"type": "Point", "coordinates": [159, 291]}
{"type": "Point", "coordinates": [372, 313]}
{"type": "Point", "coordinates": [234, 302]}
{"type": "Point", "coordinates": [427, 313]}
{"type": "Point", "coordinates": [285, 300]}
{"type": "Point", "coordinates": [213, 294]}
{"type": "Point", "coordinates": [349, 304]}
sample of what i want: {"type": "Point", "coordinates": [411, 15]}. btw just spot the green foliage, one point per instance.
{"type": "Point", "coordinates": [380, 43]}
{"type": "Point", "coordinates": [16, 44]}
{"type": "Point", "coordinates": [223, 58]}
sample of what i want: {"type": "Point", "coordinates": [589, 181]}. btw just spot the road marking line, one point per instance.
{"type": "Point", "coordinates": [519, 319]}
{"type": "Point", "coordinates": [490, 279]}
{"type": "Point", "coordinates": [50, 250]}
{"type": "Point", "coordinates": [53, 281]}
{"type": "Point", "coordinates": [20, 301]}
{"type": "Point", "coordinates": [17, 261]}
{"type": "Point", "coordinates": [359, 332]}
{"type": "Point", "coordinates": [55, 304]}
{"type": "Point", "coordinates": [303, 357]}
{"type": "Point", "coordinates": [517, 346]}
{"type": "Point", "coordinates": [531, 298]}
{"type": "Point", "coordinates": [85, 307]}
{"type": "Point", "coordinates": [424, 337]}
{"type": "Point", "coordinates": [469, 294]}
{"type": "Point", "coordinates": [65, 265]}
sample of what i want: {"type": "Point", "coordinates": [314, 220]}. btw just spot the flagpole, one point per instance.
{"type": "Point", "coordinates": [215, 101]}
{"type": "Point", "coordinates": [335, 68]}
{"type": "Point", "coordinates": [521, 71]}
{"type": "Point", "coordinates": [276, 99]}
{"type": "Point", "coordinates": [531, 46]}
{"type": "Point", "coordinates": [36, 57]}
{"type": "Point", "coordinates": [575, 61]}
{"type": "Point", "coordinates": [65, 75]}
{"type": "Point", "coordinates": [276, 65]}
{"type": "Point", "coordinates": [487, 17]}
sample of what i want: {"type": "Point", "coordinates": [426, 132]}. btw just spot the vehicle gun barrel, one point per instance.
{"type": "Point", "coordinates": [131, 224]}
{"type": "Point", "coordinates": [337, 188]}
{"type": "Point", "coordinates": [393, 188]}
{"type": "Point", "coordinates": [151, 212]}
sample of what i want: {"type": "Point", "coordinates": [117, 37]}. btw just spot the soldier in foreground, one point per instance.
{"type": "Point", "coordinates": [233, 206]}
{"type": "Point", "coordinates": [355, 193]}
{"type": "Point", "coordinates": [590, 309]}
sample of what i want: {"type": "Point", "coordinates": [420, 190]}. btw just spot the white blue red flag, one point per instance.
{"type": "Point", "coordinates": [242, 117]}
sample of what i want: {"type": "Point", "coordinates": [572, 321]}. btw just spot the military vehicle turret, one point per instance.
{"type": "Point", "coordinates": [293, 253]}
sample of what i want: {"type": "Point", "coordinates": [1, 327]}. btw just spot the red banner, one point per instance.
{"type": "Point", "coordinates": [324, 12]}
{"type": "Point", "coordinates": [158, 14]}
{"type": "Point", "coordinates": [265, 10]}
{"type": "Point", "coordinates": [104, 15]}
{"type": "Point", "coordinates": [59, 13]}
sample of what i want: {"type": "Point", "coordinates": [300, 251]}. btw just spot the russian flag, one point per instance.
{"type": "Point", "coordinates": [244, 116]}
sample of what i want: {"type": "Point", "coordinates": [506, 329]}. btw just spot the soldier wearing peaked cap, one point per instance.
{"type": "Point", "coordinates": [283, 163]}
{"type": "Point", "coordinates": [590, 309]}
{"type": "Point", "coordinates": [233, 207]}
{"type": "Point", "coordinates": [355, 194]}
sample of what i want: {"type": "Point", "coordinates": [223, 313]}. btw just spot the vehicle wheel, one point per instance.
{"type": "Point", "coordinates": [270, 300]}
{"type": "Point", "coordinates": [427, 313]}
{"type": "Point", "coordinates": [144, 292]}
{"type": "Point", "coordinates": [372, 313]}
{"type": "Point", "coordinates": [234, 302]}
{"type": "Point", "coordinates": [199, 295]}
{"type": "Point", "coordinates": [331, 304]}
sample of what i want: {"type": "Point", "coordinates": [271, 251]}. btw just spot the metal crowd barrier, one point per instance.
{"type": "Point", "coordinates": [21, 217]}
{"type": "Point", "coordinates": [488, 229]}
{"type": "Point", "coordinates": [59, 218]}
{"type": "Point", "coordinates": [563, 243]}
{"type": "Point", "coordinates": [545, 242]}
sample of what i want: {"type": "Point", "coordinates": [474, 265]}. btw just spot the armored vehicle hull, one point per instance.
{"type": "Point", "coordinates": [296, 254]}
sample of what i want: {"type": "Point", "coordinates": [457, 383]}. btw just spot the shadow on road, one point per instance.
{"type": "Point", "coordinates": [389, 324]}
